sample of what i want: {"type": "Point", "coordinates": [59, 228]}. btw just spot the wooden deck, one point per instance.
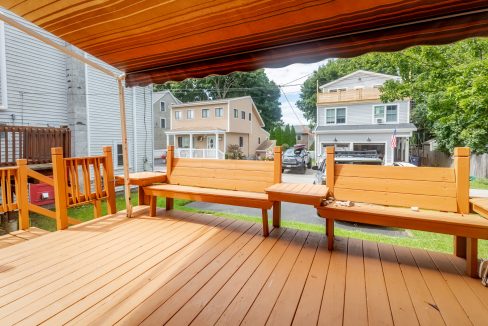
{"type": "Point", "coordinates": [20, 236]}
{"type": "Point", "coordinates": [185, 268]}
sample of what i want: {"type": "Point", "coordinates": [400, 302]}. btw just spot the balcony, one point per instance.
{"type": "Point", "coordinates": [352, 95]}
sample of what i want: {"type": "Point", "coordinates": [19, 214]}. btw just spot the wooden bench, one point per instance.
{"type": "Point", "coordinates": [441, 194]}
{"type": "Point", "coordinates": [230, 182]}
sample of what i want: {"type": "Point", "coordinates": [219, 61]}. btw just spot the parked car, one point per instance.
{"type": "Point", "coordinates": [296, 158]}
{"type": "Point", "coordinates": [346, 157]}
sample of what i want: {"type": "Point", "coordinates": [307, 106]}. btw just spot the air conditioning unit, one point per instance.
{"type": "Point", "coordinates": [379, 120]}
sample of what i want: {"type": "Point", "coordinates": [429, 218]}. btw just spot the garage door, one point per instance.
{"type": "Point", "coordinates": [379, 148]}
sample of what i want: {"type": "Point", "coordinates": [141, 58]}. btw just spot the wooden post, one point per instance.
{"type": "Point", "coordinates": [22, 194]}
{"type": "Point", "coordinates": [97, 208]}
{"type": "Point", "coordinates": [277, 157]}
{"type": "Point", "coordinates": [111, 206]}
{"type": "Point", "coordinates": [329, 168]}
{"type": "Point", "coordinates": [461, 172]}
{"type": "Point", "coordinates": [125, 151]}
{"type": "Point", "coordinates": [265, 222]}
{"type": "Point", "coordinates": [170, 155]}
{"type": "Point", "coordinates": [60, 199]}
{"type": "Point", "coordinates": [278, 166]}
{"type": "Point", "coordinates": [472, 257]}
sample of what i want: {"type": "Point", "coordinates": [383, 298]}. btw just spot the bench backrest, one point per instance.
{"type": "Point", "coordinates": [443, 189]}
{"type": "Point", "coordinates": [241, 175]}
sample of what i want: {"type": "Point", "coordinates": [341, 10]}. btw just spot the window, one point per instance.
{"type": "Point", "coordinates": [259, 140]}
{"type": "Point", "coordinates": [250, 116]}
{"type": "Point", "coordinates": [177, 115]}
{"type": "Point", "coordinates": [385, 113]}
{"type": "Point", "coordinates": [190, 114]}
{"type": "Point", "coordinates": [299, 137]}
{"type": "Point", "coordinates": [236, 113]}
{"type": "Point", "coordinates": [335, 116]}
{"type": "Point", "coordinates": [219, 112]}
{"type": "Point", "coordinates": [120, 155]}
{"type": "Point", "coordinates": [241, 141]}
{"type": "Point", "coordinates": [163, 123]}
{"type": "Point", "coordinates": [243, 115]}
{"type": "Point", "coordinates": [205, 113]}
{"type": "Point", "coordinates": [335, 90]}
{"type": "Point", "coordinates": [162, 106]}
{"type": "Point", "coordinates": [183, 141]}
{"type": "Point", "coordinates": [180, 142]}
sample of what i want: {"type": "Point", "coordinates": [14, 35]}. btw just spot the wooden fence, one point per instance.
{"type": "Point", "coordinates": [73, 185]}
{"type": "Point", "coordinates": [31, 143]}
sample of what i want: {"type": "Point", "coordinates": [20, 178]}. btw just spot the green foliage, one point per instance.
{"type": "Point", "coordinates": [234, 152]}
{"type": "Point", "coordinates": [293, 136]}
{"type": "Point", "coordinates": [286, 135]}
{"type": "Point", "coordinates": [264, 92]}
{"type": "Point", "coordinates": [447, 84]}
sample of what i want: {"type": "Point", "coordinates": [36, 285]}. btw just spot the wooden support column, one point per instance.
{"type": "Point", "coordinates": [277, 214]}
{"type": "Point", "coordinates": [97, 209]}
{"type": "Point", "coordinates": [125, 150]}
{"type": "Point", "coordinates": [265, 222]}
{"type": "Point", "coordinates": [110, 184]}
{"type": "Point", "coordinates": [461, 171]}
{"type": "Point", "coordinates": [60, 193]}
{"type": "Point", "coordinates": [277, 157]}
{"type": "Point", "coordinates": [472, 257]}
{"type": "Point", "coordinates": [23, 194]}
{"type": "Point", "coordinates": [329, 167]}
{"type": "Point", "coordinates": [169, 166]}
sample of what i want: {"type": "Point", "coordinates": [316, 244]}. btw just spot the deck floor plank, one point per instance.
{"type": "Point", "coordinates": [183, 268]}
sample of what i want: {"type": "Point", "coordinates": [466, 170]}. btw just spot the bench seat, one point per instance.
{"type": "Point", "coordinates": [219, 196]}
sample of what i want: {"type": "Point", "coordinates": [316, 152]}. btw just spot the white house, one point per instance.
{"type": "Point", "coordinates": [40, 86]}
{"type": "Point", "coordinates": [351, 116]}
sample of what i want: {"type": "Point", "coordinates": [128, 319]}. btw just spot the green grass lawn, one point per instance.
{"type": "Point", "coordinates": [418, 239]}
{"type": "Point", "coordinates": [479, 183]}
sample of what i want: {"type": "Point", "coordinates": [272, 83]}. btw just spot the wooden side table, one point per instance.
{"type": "Point", "coordinates": [142, 179]}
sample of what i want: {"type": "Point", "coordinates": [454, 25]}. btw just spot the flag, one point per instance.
{"type": "Point", "coordinates": [394, 139]}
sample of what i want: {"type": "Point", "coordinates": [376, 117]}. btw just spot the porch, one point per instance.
{"type": "Point", "coordinates": [198, 142]}
{"type": "Point", "coordinates": [181, 268]}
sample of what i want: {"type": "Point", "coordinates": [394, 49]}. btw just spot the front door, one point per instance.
{"type": "Point", "coordinates": [211, 142]}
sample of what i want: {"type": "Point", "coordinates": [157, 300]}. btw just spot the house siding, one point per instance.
{"type": "Point", "coordinates": [238, 124]}
{"type": "Point", "coordinates": [160, 133]}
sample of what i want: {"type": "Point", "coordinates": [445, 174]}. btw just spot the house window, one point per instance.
{"type": "Point", "coordinates": [385, 113]}
{"type": "Point", "coordinates": [335, 116]}
{"type": "Point", "coordinates": [219, 112]}
{"type": "Point", "coordinates": [335, 90]}
{"type": "Point", "coordinates": [243, 115]}
{"type": "Point", "coordinates": [299, 137]}
{"type": "Point", "coordinates": [162, 106]}
{"type": "Point", "coordinates": [259, 140]}
{"type": "Point", "coordinates": [190, 114]}
{"type": "Point", "coordinates": [163, 123]}
{"type": "Point", "coordinates": [250, 116]}
{"type": "Point", "coordinates": [205, 113]}
{"type": "Point", "coordinates": [183, 141]}
{"type": "Point", "coordinates": [177, 115]}
{"type": "Point", "coordinates": [236, 113]}
{"type": "Point", "coordinates": [120, 155]}
{"type": "Point", "coordinates": [241, 141]}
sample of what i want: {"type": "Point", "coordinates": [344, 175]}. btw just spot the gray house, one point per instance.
{"type": "Point", "coordinates": [40, 86]}
{"type": "Point", "coordinates": [351, 116]}
{"type": "Point", "coordinates": [162, 102]}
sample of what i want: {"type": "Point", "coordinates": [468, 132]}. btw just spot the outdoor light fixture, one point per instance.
{"type": "Point", "coordinates": [369, 139]}
{"type": "Point", "coordinates": [335, 139]}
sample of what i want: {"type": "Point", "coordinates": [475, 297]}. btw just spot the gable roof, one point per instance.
{"type": "Point", "coordinates": [357, 72]}
{"type": "Point", "coordinates": [159, 95]}
{"type": "Point", "coordinates": [223, 101]}
{"type": "Point", "coordinates": [157, 41]}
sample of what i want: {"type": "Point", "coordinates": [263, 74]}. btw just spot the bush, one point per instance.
{"type": "Point", "coordinates": [234, 152]}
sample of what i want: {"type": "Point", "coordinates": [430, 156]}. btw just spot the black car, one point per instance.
{"type": "Point", "coordinates": [296, 158]}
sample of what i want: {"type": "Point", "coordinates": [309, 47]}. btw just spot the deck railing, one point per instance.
{"type": "Point", "coordinates": [350, 95]}
{"type": "Point", "coordinates": [76, 181]}
{"type": "Point", "coordinates": [31, 143]}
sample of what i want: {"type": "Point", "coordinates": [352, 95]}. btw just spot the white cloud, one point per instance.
{"type": "Point", "coordinates": [294, 75]}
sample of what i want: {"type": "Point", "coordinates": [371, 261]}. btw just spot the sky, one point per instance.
{"type": "Point", "coordinates": [294, 75]}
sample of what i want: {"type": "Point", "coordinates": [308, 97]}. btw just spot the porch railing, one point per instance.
{"type": "Point", "coordinates": [31, 143]}
{"type": "Point", "coordinates": [199, 153]}
{"type": "Point", "coordinates": [76, 181]}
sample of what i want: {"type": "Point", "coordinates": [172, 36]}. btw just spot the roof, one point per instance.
{"type": "Point", "coordinates": [196, 130]}
{"type": "Point", "coordinates": [266, 145]}
{"type": "Point", "coordinates": [357, 72]}
{"type": "Point", "coordinates": [222, 101]}
{"type": "Point", "coordinates": [158, 95]}
{"type": "Point", "coordinates": [157, 41]}
{"type": "Point", "coordinates": [302, 129]}
{"type": "Point", "coordinates": [400, 127]}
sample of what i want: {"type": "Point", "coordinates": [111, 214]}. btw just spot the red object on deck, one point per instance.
{"type": "Point", "coordinates": [41, 194]}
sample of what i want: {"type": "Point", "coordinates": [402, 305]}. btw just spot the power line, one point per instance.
{"type": "Point", "coordinates": [292, 108]}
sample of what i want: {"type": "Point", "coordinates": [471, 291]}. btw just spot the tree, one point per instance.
{"type": "Point", "coordinates": [278, 135]}
{"type": "Point", "coordinates": [293, 136]}
{"type": "Point", "coordinates": [286, 135]}
{"type": "Point", "coordinates": [264, 92]}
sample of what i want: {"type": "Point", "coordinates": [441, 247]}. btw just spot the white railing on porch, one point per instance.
{"type": "Point", "coordinates": [199, 153]}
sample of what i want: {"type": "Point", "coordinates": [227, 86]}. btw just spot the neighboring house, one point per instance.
{"type": "Point", "coordinates": [304, 135]}
{"type": "Point", "coordinates": [40, 86]}
{"type": "Point", "coordinates": [162, 102]}
{"type": "Point", "coordinates": [351, 116]}
{"type": "Point", "coordinates": [209, 127]}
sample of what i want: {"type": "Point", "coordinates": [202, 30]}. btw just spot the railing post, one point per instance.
{"type": "Point", "coordinates": [461, 172]}
{"type": "Point", "coordinates": [169, 161]}
{"type": "Point", "coordinates": [277, 164]}
{"type": "Point", "coordinates": [111, 206]}
{"type": "Point", "coordinates": [329, 167]}
{"type": "Point", "coordinates": [59, 178]}
{"type": "Point", "coordinates": [22, 194]}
